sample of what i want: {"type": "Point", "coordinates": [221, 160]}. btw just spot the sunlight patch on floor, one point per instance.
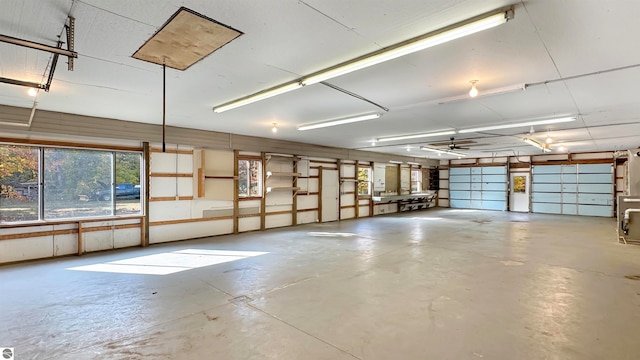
{"type": "Point", "coordinates": [170, 262]}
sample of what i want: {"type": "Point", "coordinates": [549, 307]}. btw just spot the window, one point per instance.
{"type": "Point", "coordinates": [364, 181]}
{"type": "Point", "coordinates": [19, 183]}
{"type": "Point", "coordinates": [249, 178]}
{"type": "Point", "coordinates": [48, 183]}
{"type": "Point", "coordinates": [416, 180]}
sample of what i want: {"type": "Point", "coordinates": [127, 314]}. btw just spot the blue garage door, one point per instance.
{"type": "Point", "coordinates": [582, 189]}
{"type": "Point", "coordinates": [478, 187]}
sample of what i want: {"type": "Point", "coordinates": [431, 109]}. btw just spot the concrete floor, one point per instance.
{"type": "Point", "coordinates": [435, 284]}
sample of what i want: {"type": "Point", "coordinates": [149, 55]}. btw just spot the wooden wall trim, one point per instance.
{"type": "Point", "coordinates": [171, 175]}
{"type": "Point", "coordinates": [36, 142]}
{"type": "Point", "coordinates": [186, 221]}
{"type": "Point", "coordinates": [170, 198]}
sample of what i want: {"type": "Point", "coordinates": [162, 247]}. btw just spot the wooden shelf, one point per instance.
{"type": "Point", "coordinates": [283, 174]}
{"type": "Point", "coordinates": [279, 188]}
{"type": "Point", "coordinates": [348, 180]}
{"type": "Point", "coordinates": [229, 177]}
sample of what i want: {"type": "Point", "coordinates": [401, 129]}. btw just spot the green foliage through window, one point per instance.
{"type": "Point", "coordinates": [44, 183]}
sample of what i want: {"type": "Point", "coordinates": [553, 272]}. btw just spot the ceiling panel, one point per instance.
{"type": "Point", "coordinates": [546, 41]}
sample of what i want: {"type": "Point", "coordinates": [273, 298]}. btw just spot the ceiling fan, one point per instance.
{"type": "Point", "coordinates": [453, 145]}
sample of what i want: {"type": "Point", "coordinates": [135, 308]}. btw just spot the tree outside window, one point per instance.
{"type": "Point", "coordinates": [364, 181]}
{"type": "Point", "coordinates": [48, 183]}
{"type": "Point", "coordinates": [416, 181]}
{"type": "Point", "coordinates": [249, 178]}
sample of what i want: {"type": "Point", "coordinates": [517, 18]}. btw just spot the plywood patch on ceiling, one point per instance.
{"type": "Point", "coordinates": [186, 38]}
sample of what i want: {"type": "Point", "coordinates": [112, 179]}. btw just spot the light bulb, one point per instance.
{"type": "Point", "coordinates": [408, 149]}
{"type": "Point", "coordinates": [561, 147]}
{"type": "Point", "coordinates": [274, 129]}
{"type": "Point", "coordinates": [549, 140]}
{"type": "Point", "coordinates": [32, 92]}
{"type": "Point", "coordinates": [373, 143]}
{"type": "Point", "coordinates": [474, 91]}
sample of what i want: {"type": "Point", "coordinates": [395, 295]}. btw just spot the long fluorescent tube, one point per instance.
{"type": "Point", "coordinates": [536, 144]}
{"type": "Point", "coordinates": [348, 120]}
{"type": "Point", "coordinates": [416, 136]}
{"type": "Point", "coordinates": [438, 37]}
{"type": "Point", "coordinates": [449, 33]}
{"type": "Point", "coordinates": [257, 97]}
{"type": "Point", "coordinates": [395, 162]}
{"type": "Point", "coordinates": [509, 126]}
{"type": "Point", "coordinates": [447, 152]}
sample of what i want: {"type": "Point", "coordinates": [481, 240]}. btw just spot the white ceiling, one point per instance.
{"type": "Point", "coordinates": [578, 57]}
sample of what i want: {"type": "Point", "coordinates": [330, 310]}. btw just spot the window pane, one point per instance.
{"type": "Point", "coordinates": [72, 179]}
{"type": "Point", "coordinates": [364, 185]}
{"type": "Point", "coordinates": [416, 180]}
{"type": "Point", "coordinates": [255, 178]}
{"type": "Point", "coordinates": [18, 183]}
{"type": "Point", "coordinates": [128, 183]}
{"type": "Point", "coordinates": [243, 178]}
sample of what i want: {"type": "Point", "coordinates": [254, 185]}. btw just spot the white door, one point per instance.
{"type": "Point", "coordinates": [329, 193]}
{"type": "Point", "coordinates": [519, 192]}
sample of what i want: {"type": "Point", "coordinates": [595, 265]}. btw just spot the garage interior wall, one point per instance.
{"type": "Point", "coordinates": [191, 185]}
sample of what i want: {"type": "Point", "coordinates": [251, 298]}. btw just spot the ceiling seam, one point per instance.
{"type": "Point", "coordinates": [546, 49]}
{"type": "Point", "coordinates": [116, 14]}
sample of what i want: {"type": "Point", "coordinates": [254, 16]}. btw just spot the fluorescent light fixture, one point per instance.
{"type": "Point", "coordinates": [416, 136]}
{"type": "Point", "coordinates": [509, 126]}
{"type": "Point", "coordinates": [395, 162]}
{"type": "Point", "coordinates": [446, 34]}
{"type": "Point", "coordinates": [446, 152]}
{"type": "Point", "coordinates": [536, 144]}
{"type": "Point", "coordinates": [343, 121]}
{"type": "Point", "coordinates": [419, 43]}
{"type": "Point", "coordinates": [412, 163]}
{"type": "Point", "coordinates": [257, 97]}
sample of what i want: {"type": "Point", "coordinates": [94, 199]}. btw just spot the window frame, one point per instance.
{"type": "Point", "coordinates": [260, 178]}
{"type": "Point", "coordinates": [40, 147]}
{"type": "Point", "coordinates": [369, 182]}
{"type": "Point", "coordinates": [418, 182]}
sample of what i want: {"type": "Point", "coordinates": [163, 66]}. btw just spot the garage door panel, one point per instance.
{"type": "Point", "coordinates": [595, 168]}
{"type": "Point", "coordinates": [479, 187]}
{"type": "Point", "coordinates": [547, 197]}
{"type": "Point", "coordinates": [459, 186]}
{"type": "Point", "coordinates": [595, 210]}
{"type": "Point", "coordinates": [595, 178]}
{"type": "Point", "coordinates": [547, 169]}
{"type": "Point", "coordinates": [495, 186]}
{"type": "Point", "coordinates": [547, 178]}
{"type": "Point", "coordinates": [493, 195]}
{"type": "Point", "coordinates": [459, 178]}
{"type": "Point", "coordinates": [494, 205]}
{"type": "Point", "coordinates": [460, 204]}
{"type": "Point", "coordinates": [595, 199]}
{"type": "Point", "coordinates": [494, 178]}
{"type": "Point", "coordinates": [597, 188]}
{"type": "Point", "coordinates": [583, 189]}
{"type": "Point", "coordinates": [459, 171]}
{"type": "Point", "coordinates": [547, 187]}
{"type": "Point", "coordinates": [459, 195]}
{"type": "Point", "coordinates": [546, 208]}
{"type": "Point", "coordinates": [494, 170]}
{"type": "Point", "coordinates": [569, 198]}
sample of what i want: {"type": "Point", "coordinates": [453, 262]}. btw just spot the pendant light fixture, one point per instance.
{"type": "Point", "coordinates": [474, 90]}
